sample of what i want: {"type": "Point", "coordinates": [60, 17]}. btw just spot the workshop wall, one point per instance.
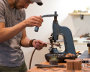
{"type": "Point", "coordinates": [63, 7]}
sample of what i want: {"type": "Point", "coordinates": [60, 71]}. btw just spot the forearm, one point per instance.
{"type": "Point", "coordinates": [26, 42]}
{"type": "Point", "coordinates": [9, 32]}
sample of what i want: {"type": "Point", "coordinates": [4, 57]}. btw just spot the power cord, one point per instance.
{"type": "Point", "coordinates": [31, 58]}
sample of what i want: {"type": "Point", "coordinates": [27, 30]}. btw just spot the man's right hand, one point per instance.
{"type": "Point", "coordinates": [33, 21]}
{"type": "Point", "coordinates": [7, 33]}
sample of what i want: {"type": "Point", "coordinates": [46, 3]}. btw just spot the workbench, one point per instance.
{"type": "Point", "coordinates": [54, 69]}
{"type": "Point", "coordinates": [35, 69]}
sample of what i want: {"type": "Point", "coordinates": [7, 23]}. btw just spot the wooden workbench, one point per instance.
{"type": "Point", "coordinates": [35, 69]}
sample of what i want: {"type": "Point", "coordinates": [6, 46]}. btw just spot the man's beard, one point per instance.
{"type": "Point", "coordinates": [15, 4]}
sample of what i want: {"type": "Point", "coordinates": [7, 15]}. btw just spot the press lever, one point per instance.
{"type": "Point", "coordinates": [51, 15]}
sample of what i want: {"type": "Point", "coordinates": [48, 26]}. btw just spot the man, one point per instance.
{"type": "Point", "coordinates": [13, 34]}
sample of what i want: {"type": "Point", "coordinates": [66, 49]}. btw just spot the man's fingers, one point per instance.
{"type": "Point", "coordinates": [39, 44]}
{"type": "Point", "coordinates": [38, 19]}
{"type": "Point", "coordinates": [34, 21]}
{"type": "Point", "coordinates": [44, 45]}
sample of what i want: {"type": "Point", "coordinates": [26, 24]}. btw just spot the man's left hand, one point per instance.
{"type": "Point", "coordinates": [38, 44]}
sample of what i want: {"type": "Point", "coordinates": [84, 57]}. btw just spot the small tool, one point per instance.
{"type": "Point", "coordinates": [49, 66]}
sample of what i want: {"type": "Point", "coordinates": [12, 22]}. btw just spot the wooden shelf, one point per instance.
{"type": "Point", "coordinates": [79, 13]}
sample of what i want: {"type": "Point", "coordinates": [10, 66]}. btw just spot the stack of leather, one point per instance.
{"type": "Point", "coordinates": [77, 64]}
{"type": "Point", "coordinates": [70, 65]}
{"type": "Point", "coordinates": [74, 64]}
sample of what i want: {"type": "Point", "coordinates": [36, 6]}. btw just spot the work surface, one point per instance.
{"type": "Point", "coordinates": [54, 69]}
{"type": "Point", "coordinates": [39, 56]}
{"type": "Point", "coordinates": [35, 69]}
{"type": "Point", "coordinates": [84, 55]}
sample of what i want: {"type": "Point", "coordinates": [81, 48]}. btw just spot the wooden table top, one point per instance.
{"type": "Point", "coordinates": [54, 69]}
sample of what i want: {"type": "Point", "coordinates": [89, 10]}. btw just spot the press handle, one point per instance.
{"type": "Point", "coordinates": [36, 29]}
{"type": "Point", "coordinates": [50, 15]}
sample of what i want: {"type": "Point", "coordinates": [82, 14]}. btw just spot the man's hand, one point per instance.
{"type": "Point", "coordinates": [33, 21]}
{"type": "Point", "coordinates": [39, 44]}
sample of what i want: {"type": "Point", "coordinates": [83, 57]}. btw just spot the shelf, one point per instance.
{"type": "Point", "coordinates": [79, 13]}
